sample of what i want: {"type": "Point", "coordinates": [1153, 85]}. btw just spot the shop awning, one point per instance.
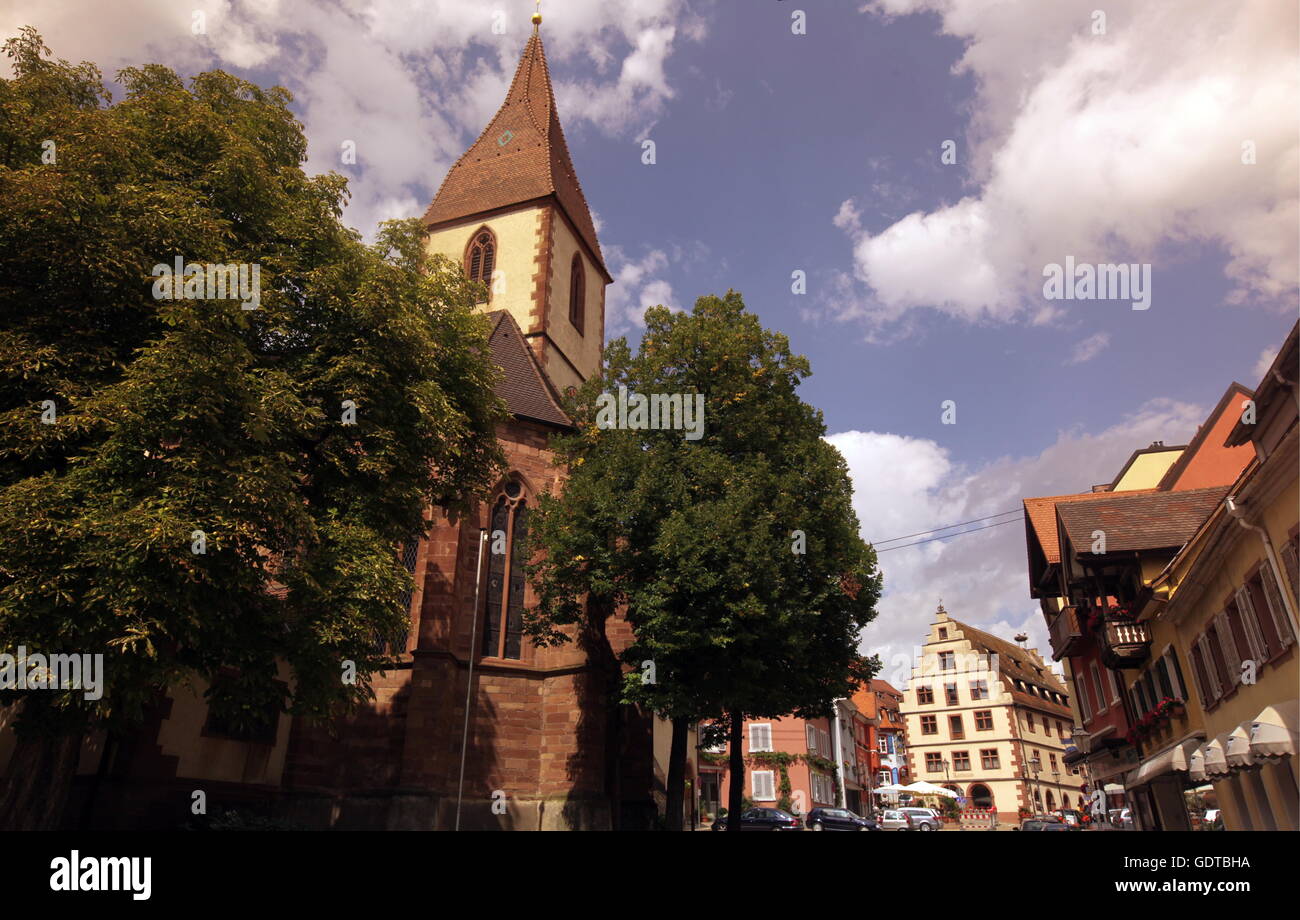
{"type": "Point", "coordinates": [1276, 731]}
{"type": "Point", "coordinates": [1237, 750]}
{"type": "Point", "coordinates": [1170, 759]}
{"type": "Point", "coordinates": [1216, 756]}
{"type": "Point", "coordinates": [1196, 766]}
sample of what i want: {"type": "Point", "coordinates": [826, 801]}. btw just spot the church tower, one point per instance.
{"type": "Point", "coordinates": [512, 212]}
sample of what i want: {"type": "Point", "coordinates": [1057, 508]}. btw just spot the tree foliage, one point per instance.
{"type": "Point", "coordinates": [697, 538]}
{"type": "Point", "coordinates": [186, 416]}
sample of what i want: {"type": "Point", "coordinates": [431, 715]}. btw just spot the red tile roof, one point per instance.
{"type": "Point", "coordinates": [521, 156]}
{"type": "Point", "coordinates": [1016, 663]}
{"type": "Point", "coordinates": [525, 387]}
{"type": "Point", "coordinates": [1131, 521]}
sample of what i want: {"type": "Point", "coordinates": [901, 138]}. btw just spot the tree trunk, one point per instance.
{"type": "Point", "coordinates": [736, 794]}
{"type": "Point", "coordinates": [676, 776]}
{"type": "Point", "coordinates": [35, 789]}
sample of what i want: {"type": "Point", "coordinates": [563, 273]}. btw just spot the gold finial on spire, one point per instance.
{"type": "Point", "coordinates": [537, 15]}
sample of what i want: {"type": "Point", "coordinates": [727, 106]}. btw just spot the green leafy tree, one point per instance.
{"type": "Point", "coordinates": [734, 551]}
{"type": "Point", "coordinates": [218, 492]}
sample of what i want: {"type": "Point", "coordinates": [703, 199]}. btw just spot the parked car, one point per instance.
{"type": "Point", "coordinates": [838, 819]}
{"type": "Point", "coordinates": [895, 820]}
{"type": "Point", "coordinates": [1075, 820]}
{"type": "Point", "coordinates": [1121, 817]}
{"type": "Point", "coordinates": [1043, 823]}
{"type": "Point", "coordinates": [762, 819]}
{"type": "Point", "coordinates": [924, 819]}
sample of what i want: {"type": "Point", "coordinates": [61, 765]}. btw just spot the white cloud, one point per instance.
{"type": "Point", "coordinates": [904, 485]}
{"type": "Point", "coordinates": [1266, 359]}
{"type": "Point", "coordinates": [637, 286]}
{"type": "Point", "coordinates": [1089, 348]}
{"type": "Point", "coordinates": [411, 81]}
{"type": "Point", "coordinates": [1107, 148]}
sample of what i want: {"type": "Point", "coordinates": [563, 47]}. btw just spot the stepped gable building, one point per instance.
{"type": "Point", "coordinates": [545, 748]}
{"type": "Point", "coordinates": [989, 720]}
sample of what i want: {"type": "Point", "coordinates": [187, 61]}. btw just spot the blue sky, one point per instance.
{"type": "Point", "coordinates": [820, 152]}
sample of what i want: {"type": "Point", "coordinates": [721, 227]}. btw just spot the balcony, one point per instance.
{"type": "Point", "coordinates": [1124, 643]}
{"type": "Point", "coordinates": [1066, 633]}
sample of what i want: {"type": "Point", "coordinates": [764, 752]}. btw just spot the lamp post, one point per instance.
{"type": "Point", "coordinates": [1035, 766]}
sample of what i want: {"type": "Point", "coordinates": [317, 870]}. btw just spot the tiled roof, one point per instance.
{"type": "Point", "coordinates": [1016, 663]}
{"type": "Point", "coordinates": [1151, 520]}
{"type": "Point", "coordinates": [1041, 514]}
{"type": "Point", "coordinates": [521, 156]}
{"type": "Point", "coordinates": [525, 387]}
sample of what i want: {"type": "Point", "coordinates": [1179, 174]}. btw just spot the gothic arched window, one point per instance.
{"type": "Point", "coordinates": [577, 293]}
{"type": "Point", "coordinates": [482, 258]}
{"type": "Point", "coordinates": [507, 539]}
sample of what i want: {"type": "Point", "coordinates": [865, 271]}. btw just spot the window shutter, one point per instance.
{"type": "Point", "coordinates": [762, 787]}
{"type": "Point", "coordinates": [760, 737]}
{"type": "Point", "coordinates": [1231, 660]}
{"type": "Point", "coordinates": [1291, 563]}
{"type": "Point", "coordinates": [1250, 620]}
{"type": "Point", "coordinates": [1281, 621]}
{"type": "Point", "coordinates": [1176, 689]}
{"type": "Point", "coordinates": [812, 738]}
{"type": "Point", "coordinates": [1207, 666]}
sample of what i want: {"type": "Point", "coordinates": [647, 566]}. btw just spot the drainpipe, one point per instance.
{"type": "Point", "coordinates": [1236, 512]}
{"type": "Point", "coordinates": [840, 795]}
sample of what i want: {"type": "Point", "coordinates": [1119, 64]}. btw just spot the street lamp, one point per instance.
{"type": "Point", "coordinates": [1035, 766]}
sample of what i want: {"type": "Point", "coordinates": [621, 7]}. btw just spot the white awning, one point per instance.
{"type": "Point", "coordinates": [1196, 766]}
{"type": "Point", "coordinates": [1173, 758]}
{"type": "Point", "coordinates": [1113, 789]}
{"type": "Point", "coordinates": [1237, 750]}
{"type": "Point", "coordinates": [1216, 757]}
{"type": "Point", "coordinates": [1275, 732]}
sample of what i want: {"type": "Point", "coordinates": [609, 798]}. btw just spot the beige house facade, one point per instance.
{"type": "Point", "coordinates": [989, 720]}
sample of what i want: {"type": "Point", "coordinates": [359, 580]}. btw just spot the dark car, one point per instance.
{"type": "Point", "coordinates": [838, 819]}
{"type": "Point", "coordinates": [1044, 823]}
{"type": "Point", "coordinates": [762, 819]}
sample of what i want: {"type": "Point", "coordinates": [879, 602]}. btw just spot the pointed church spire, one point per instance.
{"type": "Point", "coordinates": [521, 156]}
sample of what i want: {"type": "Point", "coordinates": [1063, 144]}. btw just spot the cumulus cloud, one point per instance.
{"type": "Point", "coordinates": [903, 485]}
{"type": "Point", "coordinates": [638, 285]}
{"type": "Point", "coordinates": [411, 82]}
{"type": "Point", "coordinates": [1110, 148]}
{"type": "Point", "coordinates": [1089, 348]}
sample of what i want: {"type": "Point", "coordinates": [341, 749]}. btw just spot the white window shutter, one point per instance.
{"type": "Point", "coordinates": [812, 737]}
{"type": "Point", "coordinates": [1281, 622]}
{"type": "Point", "coordinates": [1231, 660]}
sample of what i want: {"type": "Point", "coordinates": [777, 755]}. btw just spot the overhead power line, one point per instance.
{"type": "Point", "coordinates": [948, 536]}
{"type": "Point", "coordinates": [987, 517]}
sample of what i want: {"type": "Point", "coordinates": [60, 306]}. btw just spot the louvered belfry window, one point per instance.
{"type": "Point", "coordinates": [577, 293]}
{"type": "Point", "coordinates": [504, 617]}
{"type": "Point", "coordinates": [483, 259]}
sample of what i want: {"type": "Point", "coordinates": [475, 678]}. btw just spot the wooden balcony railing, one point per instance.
{"type": "Point", "coordinates": [1066, 633]}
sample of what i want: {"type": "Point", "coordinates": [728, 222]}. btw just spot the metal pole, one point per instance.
{"type": "Point", "coordinates": [469, 684]}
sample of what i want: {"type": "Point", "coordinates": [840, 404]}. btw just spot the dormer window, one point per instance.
{"type": "Point", "coordinates": [577, 293]}
{"type": "Point", "coordinates": [481, 259]}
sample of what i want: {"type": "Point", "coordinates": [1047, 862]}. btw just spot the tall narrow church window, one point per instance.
{"type": "Point", "coordinates": [577, 293]}
{"type": "Point", "coordinates": [504, 617]}
{"type": "Point", "coordinates": [482, 258]}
